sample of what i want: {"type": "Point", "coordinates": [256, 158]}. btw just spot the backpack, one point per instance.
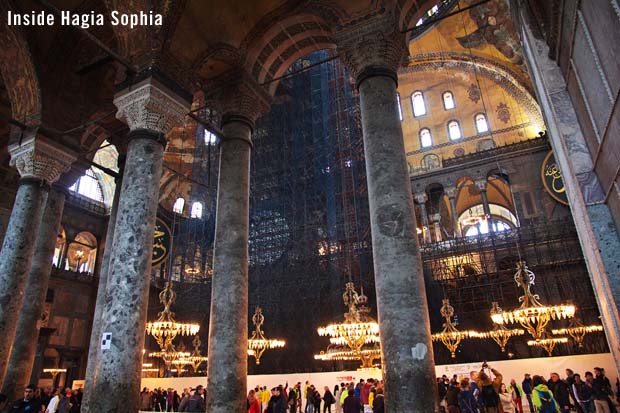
{"type": "Point", "coordinates": [489, 396]}
{"type": "Point", "coordinates": [547, 403]}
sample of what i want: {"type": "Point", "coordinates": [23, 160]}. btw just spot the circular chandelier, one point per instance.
{"type": "Point", "coordinates": [165, 329]}
{"type": "Point", "coordinates": [357, 338]}
{"type": "Point", "coordinates": [577, 330]}
{"type": "Point", "coordinates": [258, 343]}
{"type": "Point", "coordinates": [532, 315]}
{"type": "Point", "coordinates": [548, 343]}
{"type": "Point", "coordinates": [450, 336]}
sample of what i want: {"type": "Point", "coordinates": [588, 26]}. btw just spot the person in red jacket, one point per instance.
{"type": "Point", "coordinates": [253, 403]}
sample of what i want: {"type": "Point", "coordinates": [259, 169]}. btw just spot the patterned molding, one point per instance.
{"type": "Point", "coordinates": [39, 158]}
{"type": "Point", "coordinates": [150, 105]}
{"type": "Point", "coordinates": [597, 61]}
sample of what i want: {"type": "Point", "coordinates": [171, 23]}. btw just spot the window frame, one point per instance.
{"type": "Point", "coordinates": [443, 100]}
{"type": "Point", "coordinates": [182, 208]}
{"type": "Point", "coordinates": [486, 121]}
{"type": "Point", "coordinates": [430, 134]}
{"type": "Point", "coordinates": [460, 130]}
{"type": "Point", "coordinates": [423, 104]}
{"type": "Point", "coordinates": [200, 210]}
{"type": "Point", "coordinates": [400, 107]}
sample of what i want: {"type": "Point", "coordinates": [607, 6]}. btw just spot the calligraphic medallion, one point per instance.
{"type": "Point", "coordinates": [552, 179]}
{"type": "Point", "coordinates": [162, 240]}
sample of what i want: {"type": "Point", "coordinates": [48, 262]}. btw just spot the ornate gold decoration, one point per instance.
{"type": "Point", "coordinates": [54, 372]}
{"type": "Point", "coordinates": [258, 343]}
{"type": "Point", "coordinates": [165, 329]}
{"type": "Point", "coordinates": [170, 355]}
{"type": "Point", "coordinates": [355, 339]}
{"type": "Point", "coordinates": [577, 330]}
{"type": "Point", "coordinates": [451, 337]}
{"type": "Point", "coordinates": [548, 343]}
{"type": "Point", "coordinates": [551, 176]}
{"type": "Point", "coordinates": [162, 240]}
{"type": "Point", "coordinates": [532, 315]}
{"type": "Point", "coordinates": [500, 334]}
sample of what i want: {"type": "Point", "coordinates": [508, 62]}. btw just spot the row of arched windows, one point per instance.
{"type": "Point", "coordinates": [195, 212]}
{"type": "Point", "coordinates": [418, 104]}
{"type": "Point", "coordinates": [454, 130]}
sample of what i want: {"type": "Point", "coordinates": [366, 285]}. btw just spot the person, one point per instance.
{"type": "Point", "coordinates": [328, 400]}
{"type": "Point", "coordinates": [184, 400]}
{"type": "Point", "coordinates": [378, 403]}
{"type": "Point", "coordinates": [517, 393]}
{"type": "Point", "coordinates": [506, 399]}
{"type": "Point", "coordinates": [364, 393]}
{"type": "Point", "coordinates": [351, 404]}
{"type": "Point", "coordinates": [467, 401]}
{"type": "Point", "coordinates": [526, 384]}
{"type": "Point", "coordinates": [336, 395]}
{"type": "Point", "coordinates": [266, 396]}
{"type": "Point", "coordinates": [316, 396]}
{"type": "Point", "coordinates": [196, 402]}
{"type": "Point", "coordinates": [63, 401]}
{"type": "Point", "coordinates": [46, 396]}
{"type": "Point", "coordinates": [344, 394]}
{"type": "Point", "coordinates": [583, 392]}
{"type": "Point", "coordinates": [601, 389]}
{"type": "Point", "coordinates": [253, 404]}
{"type": "Point", "coordinates": [295, 394]}
{"type": "Point", "coordinates": [489, 389]}
{"type": "Point", "coordinates": [276, 402]}
{"type": "Point", "coordinates": [145, 399]}
{"type": "Point", "coordinates": [52, 407]}
{"type": "Point", "coordinates": [452, 397]}
{"type": "Point", "coordinates": [542, 398]}
{"type": "Point", "coordinates": [28, 404]}
{"type": "Point", "coordinates": [561, 392]}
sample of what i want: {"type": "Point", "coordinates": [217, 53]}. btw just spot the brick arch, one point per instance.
{"type": "Point", "coordinates": [506, 78]}
{"type": "Point", "coordinates": [19, 74]}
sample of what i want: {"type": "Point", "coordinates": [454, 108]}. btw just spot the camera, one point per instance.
{"type": "Point", "coordinates": [485, 365]}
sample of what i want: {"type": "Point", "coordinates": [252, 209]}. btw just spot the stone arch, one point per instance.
{"type": "Point", "coordinates": [19, 74]}
{"type": "Point", "coordinates": [506, 78]}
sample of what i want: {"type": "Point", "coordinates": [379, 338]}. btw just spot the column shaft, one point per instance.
{"type": "Point", "coordinates": [487, 209]}
{"type": "Point", "coordinates": [455, 218]}
{"type": "Point", "coordinates": [401, 301]}
{"type": "Point", "coordinates": [16, 258]}
{"type": "Point", "coordinates": [228, 327]}
{"type": "Point", "coordinates": [27, 334]}
{"type": "Point", "coordinates": [426, 235]}
{"type": "Point", "coordinates": [116, 386]}
{"type": "Point", "coordinates": [95, 335]}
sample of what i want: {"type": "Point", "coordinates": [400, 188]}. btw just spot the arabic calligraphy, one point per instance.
{"type": "Point", "coordinates": [161, 242]}
{"type": "Point", "coordinates": [552, 179]}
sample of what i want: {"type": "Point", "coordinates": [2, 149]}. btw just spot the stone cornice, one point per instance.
{"type": "Point", "coordinates": [151, 105]}
{"type": "Point", "coordinates": [40, 158]}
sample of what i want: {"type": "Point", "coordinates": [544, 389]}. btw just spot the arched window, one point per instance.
{"type": "Point", "coordinates": [210, 138]}
{"type": "Point", "coordinates": [454, 130]}
{"type": "Point", "coordinates": [417, 101]}
{"type": "Point", "coordinates": [426, 140]}
{"type": "Point", "coordinates": [448, 100]}
{"type": "Point", "coordinates": [88, 185]}
{"type": "Point", "coordinates": [400, 109]}
{"type": "Point", "coordinates": [178, 205]}
{"type": "Point", "coordinates": [481, 123]}
{"type": "Point", "coordinates": [196, 210]}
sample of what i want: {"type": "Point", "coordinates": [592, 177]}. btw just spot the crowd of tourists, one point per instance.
{"type": "Point", "coordinates": [487, 391]}
{"type": "Point", "coordinates": [47, 400]}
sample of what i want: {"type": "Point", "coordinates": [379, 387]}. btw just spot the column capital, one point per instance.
{"type": "Point", "coordinates": [450, 192]}
{"type": "Point", "coordinates": [481, 184]}
{"type": "Point", "coordinates": [371, 48]}
{"type": "Point", "coordinates": [236, 95]}
{"type": "Point", "coordinates": [151, 105]}
{"type": "Point", "coordinates": [41, 158]}
{"type": "Point", "coordinates": [421, 197]}
{"type": "Point", "coordinates": [435, 217]}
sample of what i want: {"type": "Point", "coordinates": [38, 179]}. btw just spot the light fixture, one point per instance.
{"type": "Point", "coordinates": [548, 343]}
{"type": "Point", "coordinates": [357, 338]}
{"type": "Point", "coordinates": [500, 334]}
{"type": "Point", "coordinates": [165, 329]}
{"type": "Point", "coordinates": [196, 359]}
{"type": "Point", "coordinates": [170, 355]}
{"type": "Point", "coordinates": [577, 330]}
{"type": "Point", "coordinates": [258, 343]}
{"type": "Point", "coordinates": [54, 372]}
{"type": "Point", "coordinates": [450, 336]}
{"type": "Point", "coordinates": [532, 315]}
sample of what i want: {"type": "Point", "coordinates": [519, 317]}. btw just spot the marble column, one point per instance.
{"type": "Point", "coordinates": [228, 325]}
{"type": "Point", "coordinates": [93, 348]}
{"type": "Point", "coordinates": [456, 228]}
{"type": "Point", "coordinates": [421, 199]}
{"type": "Point", "coordinates": [482, 186]}
{"type": "Point", "coordinates": [27, 334]}
{"type": "Point", "coordinates": [40, 163]}
{"type": "Point", "coordinates": [436, 218]}
{"type": "Point", "coordinates": [150, 109]}
{"type": "Point", "coordinates": [372, 51]}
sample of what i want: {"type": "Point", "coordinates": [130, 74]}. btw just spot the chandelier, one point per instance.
{"type": "Point", "coordinates": [258, 343]}
{"type": "Point", "coordinates": [357, 338]}
{"type": "Point", "coordinates": [548, 343]}
{"type": "Point", "coordinates": [195, 359]}
{"type": "Point", "coordinates": [170, 355]}
{"type": "Point", "coordinates": [532, 315]}
{"type": "Point", "coordinates": [165, 329]}
{"type": "Point", "coordinates": [500, 334]}
{"type": "Point", "coordinates": [450, 336]}
{"type": "Point", "coordinates": [577, 330]}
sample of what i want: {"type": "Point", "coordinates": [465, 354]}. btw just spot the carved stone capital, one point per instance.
{"type": "Point", "coordinates": [237, 95]}
{"type": "Point", "coordinates": [420, 198]}
{"type": "Point", "coordinates": [373, 47]}
{"type": "Point", "coordinates": [151, 105]}
{"type": "Point", "coordinates": [481, 184]}
{"type": "Point", "coordinates": [450, 192]}
{"type": "Point", "coordinates": [436, 218]}
{"type": "Point", "coordinates": [40, 158]}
